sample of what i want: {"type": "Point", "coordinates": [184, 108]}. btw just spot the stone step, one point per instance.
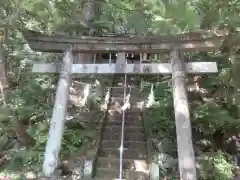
{"type": "Point", "coordinates": [132, 110]}
{"type": "Point", "coordinates": [129, 78]}
{"type": "Point", "coordinates": [118, 102]}
{"type": "Point", "coordinates": [128, 136]}
{"type": "Point", "coordinates": [134, 96]}
{"type": "Point", "coordinates": [118, 129]}
{"type": "Point", "coordinates": [129, 120]}
{"type": "Point", "coordinates": [106, 178]}
{"type": "Point", "coordinates": [121, 84]}
{"type": "Point", "coordinates": [127, 153]}
{"type": "Point", "coordinates": [117, 112]}
{"type": "Point", "coordinates": [136, 115]}
{"type": "Point", "coordinates": [121, 94]}
{"type": "Point", "coordinates": [127, 144]}
{"type": "Point", "coordinates": [108, 173]}
{"type": "Point", "coordinates": [121, 90]}
{"type": "Point", "coordinates": [119, 98]}
{"type": "Point", "coordinates": [129, 116]}
{"type": "Point", "coordinates": [130, 164]}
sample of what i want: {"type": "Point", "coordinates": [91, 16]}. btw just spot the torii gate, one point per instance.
{"type": "Point", "coordinates": [188, 42]}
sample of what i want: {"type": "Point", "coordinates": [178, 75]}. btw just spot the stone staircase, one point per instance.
{"type": "Point", "coordinates": [135, 165]}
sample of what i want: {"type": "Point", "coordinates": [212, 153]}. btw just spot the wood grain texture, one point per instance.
{"type": "Point", "coordinates": [95, 46]}
{"type": "Point", "coordinates": [192, 41]}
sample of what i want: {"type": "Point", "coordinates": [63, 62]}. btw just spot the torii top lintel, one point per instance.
{"type": "Point", "coordinates": [192, 41]}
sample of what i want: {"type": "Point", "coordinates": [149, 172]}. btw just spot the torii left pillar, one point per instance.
{"type": "Point", "coordinates": [54, 142]}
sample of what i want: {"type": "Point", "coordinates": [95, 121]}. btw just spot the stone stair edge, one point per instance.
{"type": "Point", "coordinates": [116, 171]}
{"type": "Point", "coordinates": [124, 159]}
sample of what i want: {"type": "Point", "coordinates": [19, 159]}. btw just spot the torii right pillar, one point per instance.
{"type": "Point", "coordinates": [186, 155]}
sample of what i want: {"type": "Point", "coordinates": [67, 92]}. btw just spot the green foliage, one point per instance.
{"type": "Point", "coordinates": [31, 97]}
{"type": "Point", "coordinates": [217, 166]}
{"type": "Point", "coordinates": [162, 110]}
{"type": "Point", "coordinates": [211, 117]}
{"type": "Point", "coordinates": [26, 159]}
{"type": "Point", "coordinates": [160, 118]}
{"type": "Point", "coordinates": [222, 169]}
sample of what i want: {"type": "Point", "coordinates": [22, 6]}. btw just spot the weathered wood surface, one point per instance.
{"type": "Point", "coordinates": [120, 63]}
{"type": "Point", "coordinates": [193, 41]}
{"type": "Point", "coordinates": [58, 118]}
{"type": "Point", "coordinates": [116, 46]}
{"type": "Point", "coordinates": [186, 156]}
{"type": "Point", "coordinates": [188, 36]}
{"type": "Point", "coordinates": [163, 68]}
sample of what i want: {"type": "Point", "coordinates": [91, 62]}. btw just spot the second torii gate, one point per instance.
{"type": "Point", "coordinates": [172, 44]}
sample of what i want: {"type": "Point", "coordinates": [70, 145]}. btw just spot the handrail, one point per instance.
{"type": "Point", "coordinates": [122, 132]}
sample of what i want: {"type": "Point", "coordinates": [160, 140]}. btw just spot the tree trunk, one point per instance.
{"type": "Point", "coordinates": [3, 73]}
{"type": "Point", "coordinates": [186, 156]}
{"type": "Point", "coordinates": [235, 60]}
{"type": "Point", "coordinates": [23, 137]}
{"type": "Point", "coordinates": [54, 142]}
{"type": "Point", "coordinates": [218, 137]}
{"type": "Point", "coordinates": [87, 17]}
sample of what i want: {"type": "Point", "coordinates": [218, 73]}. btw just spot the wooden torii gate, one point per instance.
{"type": "Point", "coordinates": [188, 42]}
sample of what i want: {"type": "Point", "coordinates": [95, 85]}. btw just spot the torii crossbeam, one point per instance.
{"type": "Point", "coordinates": [177, 67]}
{"type": "Point", "coordinates": [153, 68]}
